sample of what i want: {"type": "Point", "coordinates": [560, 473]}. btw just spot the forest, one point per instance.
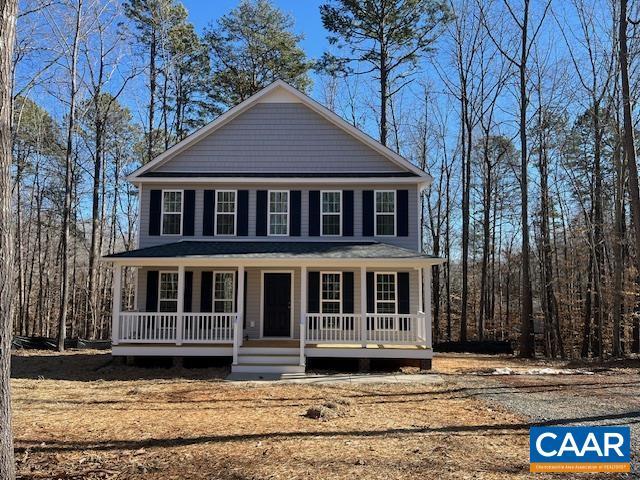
{"type": "Point", "coordinates": [523, 112]}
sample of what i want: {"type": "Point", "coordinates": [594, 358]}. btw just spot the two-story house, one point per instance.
{"type": "Point", "coordinates": [277, 233]}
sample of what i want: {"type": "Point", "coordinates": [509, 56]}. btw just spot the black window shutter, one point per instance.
{"type": "Point", "coordinates": [245, 299]}
{"type": "Point", "coordinates": [347, 213]}
{"type": "Point", "coordinates": [347, 292]}
{"type": "Point", "coordinates": [371, 293]}
{"type": "Point", "coordinates": [243, 213]}
{"type": "Point", "coordinates": [402, 218]}
{"type": "Point", "coordinates": [188, 291]}
{"type": "Point", "coordinates": [188, 219]}
{"type": "Point", "coordinates": [367, 213]}
{"type": "Point", "coordinates": [313, 292]}
{"type": "Point", "coordinates": [314, 213]}
{"type": "Point", "coordinates": [152, 291]}
{"type": "Point", "coordinates": [296, 212]}
{"type": "Point", "coordinates": [155, 210]}
{"type": "Point", "coordinates": [403, 292]}
{"type": "Point", "coordinates": [206, 292]}
{"type": "Point", "coordinates": [261, 213]}
{"type": "Point", "coordinates": [207, 212]}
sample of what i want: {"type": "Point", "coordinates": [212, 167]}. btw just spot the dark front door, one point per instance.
{"type": "Point", "coordinates": [277, 305]}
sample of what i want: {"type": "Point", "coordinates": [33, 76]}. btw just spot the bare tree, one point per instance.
{"type": "Point", "coordinates": [526, 38]}
{"type": "Point", "coordinates": [8, 11]}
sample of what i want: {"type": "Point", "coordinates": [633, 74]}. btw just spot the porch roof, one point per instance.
{"type": "Point", "coordinates": [270, 250]}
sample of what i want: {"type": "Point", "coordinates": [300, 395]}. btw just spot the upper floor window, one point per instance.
{"type": "Point", "coordinates": [171, 212]}
{"type": "Point", "coordinates": [225, 219]}
{"type": "Point", "coordinates": [279, 212]}
{"type": "Point", "coordinates": [168, 292]}
{"type": "Point", "coordinates": [386, 293]}
{"type": "Point", "coordinates": [385, 213]}
{"type": "Point", "coordinates": [331, 212]}
{"type": "Point", "coordinates": [223, 292]}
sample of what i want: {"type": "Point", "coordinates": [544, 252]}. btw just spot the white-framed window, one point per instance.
{"type": "Point", "coordinates": [386, 293]}
{"type": "Point", "coordinates": [331, 212]}
{"type": "Point", "coordinates": [224, 290]}
{"type": "Point", "coordinates": [331, 299]}
{"type": "Point", "coordinates": [172, 203]}
{"type": "Point", "coordinates": [385, 213]}
{"type": "Point", "coordinates": [226, 212]}
{"type": "Point", "coordinates": [168, 292]}
{"type": "Point", "coordinates": [278, 216]}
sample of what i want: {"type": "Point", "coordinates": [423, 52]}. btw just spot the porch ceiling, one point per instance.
{"type": "Point", "coordinates": [270, 252]}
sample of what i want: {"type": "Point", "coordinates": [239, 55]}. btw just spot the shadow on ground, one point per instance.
{"type": "Point", "coordinates": [94, 365]}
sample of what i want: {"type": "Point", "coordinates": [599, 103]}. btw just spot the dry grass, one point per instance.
{"type": "Point", "coordinates": [77, 416]}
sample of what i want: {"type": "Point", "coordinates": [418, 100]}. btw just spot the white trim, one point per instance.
{"type": "Point", "coordinates": [322, 234]}
{"type": "Point", "coordinates": [162, 212]}
{"type": "Point", "coordinates": [160, 272]}
{"type": "Point", "coordinates": [375, 212]}
{"type": "Point", "coordinates": [235, 214]}
{"type": "Point", "coordinates": [269, 213]}
{"type": "Point", "coordinates": [363, 352]}
{"type": "Point", "coordinates": [375, 293]}
{"type": "Point", "coordinates": [304, 99]}
{"type": "Point", "coordinates": [291, 300]}
{"type": "Point", "coordinates": [287, 180]}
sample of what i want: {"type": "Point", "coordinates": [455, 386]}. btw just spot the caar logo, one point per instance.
{"type": "Point", "coordinates": [579, 449]}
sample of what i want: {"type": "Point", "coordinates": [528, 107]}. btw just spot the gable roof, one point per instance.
{"type": "Point", "coordinates": [277, 91]}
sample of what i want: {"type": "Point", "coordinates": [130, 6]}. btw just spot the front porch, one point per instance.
{"type": "Point", "coordinates": [350, 308]}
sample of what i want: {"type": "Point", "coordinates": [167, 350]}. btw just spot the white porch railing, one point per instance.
{"type": "Point", "coordinates": [142, 327]}
{"type": "Point", "coordinates": [399, 329]}
{"type": "Point", "coordinates": [208, 327]}
{"type": "Point", "coordinates": [333, 328]}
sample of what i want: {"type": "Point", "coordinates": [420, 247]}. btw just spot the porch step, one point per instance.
{"type": "Point", "coordinates": [268, 358]}
{"type": "Point", "coordinates": [266, 368]}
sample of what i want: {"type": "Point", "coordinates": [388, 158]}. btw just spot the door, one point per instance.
{"type": "Point", "coordinates": [277, 305]}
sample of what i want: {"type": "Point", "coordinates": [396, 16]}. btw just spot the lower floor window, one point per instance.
{"type": "Point", "coordinates": [386, 293]}
{"type": "Point", "coordinates": [223, 292]}
{"type": "Point", "coordinates": [168, 292]}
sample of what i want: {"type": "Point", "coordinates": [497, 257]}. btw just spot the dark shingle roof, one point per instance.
{"type": "Point", "coordinates": [276, 175]}
{"type": "Point", "coordinates": [283, 249]}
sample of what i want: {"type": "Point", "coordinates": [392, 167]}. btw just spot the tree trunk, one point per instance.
{"type": "Point", "coordinates": [68, 186]}
{"type": "Point", "coordinates": [526, 306]}
{"type": "Point", "coordinates": [8, 9]}
{"type": "Point", "coordinates": [629, 146]}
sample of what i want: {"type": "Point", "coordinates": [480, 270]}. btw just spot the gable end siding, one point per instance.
{"type": "Point", "coordinates": [277, 138]}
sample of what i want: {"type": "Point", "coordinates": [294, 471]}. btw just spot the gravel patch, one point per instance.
{"type": "Point", "coordinates": [600, 399]}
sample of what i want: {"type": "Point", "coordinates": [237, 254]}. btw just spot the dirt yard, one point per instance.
{"type": "Point", "coordinates": [78, 416]}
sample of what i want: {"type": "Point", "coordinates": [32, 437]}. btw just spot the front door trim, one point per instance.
{"type": "Point", "coordinates": [290, 272]}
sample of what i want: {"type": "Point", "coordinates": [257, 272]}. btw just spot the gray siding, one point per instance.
{"type": "Point", "coordinates": [276, 138]}
{"type": "Point", "coordinates": [254, 286]}
{"type": "Point", "coordinates": [411, 241]}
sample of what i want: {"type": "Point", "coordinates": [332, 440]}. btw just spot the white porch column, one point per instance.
{"type": "Point", "coordinates": [117, 303]}
{"type": "Point", "coordinates": [303, 313]}
{"type": "Point", "coordinates": [238, 320]}
{"type": "Point", "coordinates": [180, 310]}
{"type": "Point", "coordinates": [421, 290]}
{"type": "Point", "coordinates": [363, 305]}
{"type": "Point", "coordinates": [426, 282]}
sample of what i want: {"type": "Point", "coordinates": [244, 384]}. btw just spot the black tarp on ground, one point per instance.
{"type": "Point", "coordinates": [46, 343]}
{"type": "Point", "coordinates": [486, 346]}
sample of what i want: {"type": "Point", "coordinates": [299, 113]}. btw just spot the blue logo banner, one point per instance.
{"type": "Point", "coordinates": [580, 449]}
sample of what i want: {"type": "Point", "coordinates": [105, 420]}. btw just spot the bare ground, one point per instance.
{"type": "Point", "coordinates": [78, 415]}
